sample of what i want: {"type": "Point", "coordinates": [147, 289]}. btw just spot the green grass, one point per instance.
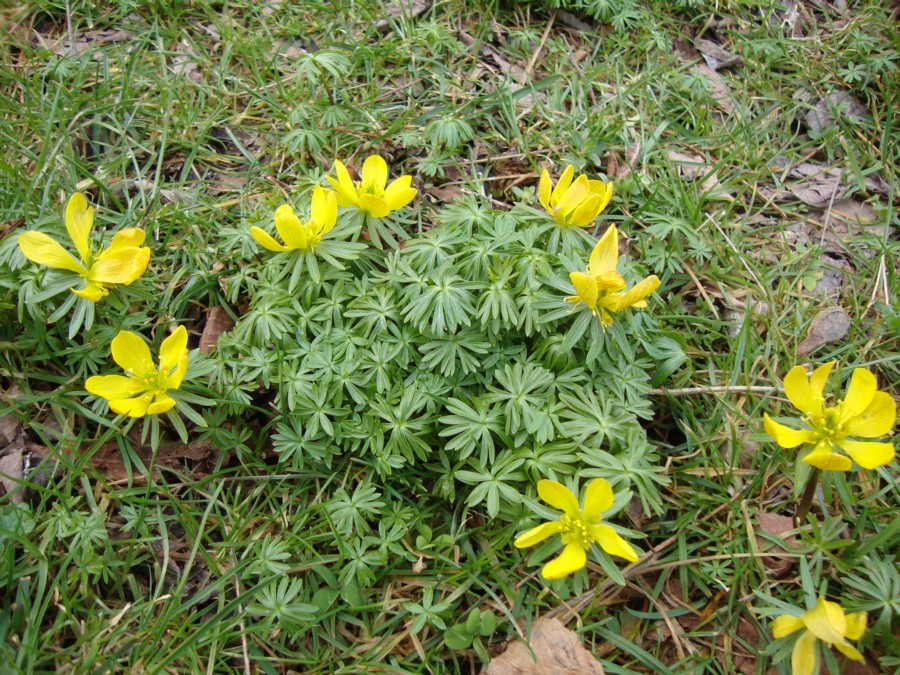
{"type": "Point", "coordinates": [268, 546]}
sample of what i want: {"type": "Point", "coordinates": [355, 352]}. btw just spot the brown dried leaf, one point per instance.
{"type": "Point", "coordinates": [403, 8]}
{"type": "Point", "coordinates": [716, 56]}
{"type": "Point", "coordinates": [830, 325]}
{"type": "Point", "coordinates": [839, 104]}
{"type": "Point", "coordinates": [12, 472]}
{"type": "Point", "coordinates": [776, 525]}
{"type": "Point", "coordinates": [108, 458]}
{"type": "Point", "coordinates": [692, 167]}
{"type": "Point", "coordinates": [557, 650]}
{"type": "Point", "coordinates": [218, 321]}
{"type": "Point", "coordinates": [719, 91]}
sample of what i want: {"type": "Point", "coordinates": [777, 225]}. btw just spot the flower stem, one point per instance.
{"type": "Point", "coordinates": [806, 498]}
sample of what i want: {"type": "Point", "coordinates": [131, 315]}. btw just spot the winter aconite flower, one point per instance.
{"type": "Point", "coordinates": [123, 262]}
{"type": "Point", "coordinates": [298, 235]}
{"type": "Point", "coordinates": [826, 622]}
{"type": "Point", "coordinates": [578, 528]}
{"type": "Point", "coordinates": [864, 411]}
{"type": "Point", "coordinates": [575, 202]}
{"type": "Point", "coordinates": [602, 289]}
{"type": "Point", "coordinates": [142, 390]}
{"type": "Point", "coordinates": [370, 194]}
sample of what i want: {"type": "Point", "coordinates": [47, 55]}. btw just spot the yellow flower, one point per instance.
{"type": "Point", "coordinates": [864, 412]}
{"type": "Point", "coordinates": [826, 622]}
{"type": "Point", "coordinates": [574, 203]}
{"type": "Point", "coordinates": [579, 527]}
{"type": "Point", "coordinates": [297, 235]}
{"type": "Point", "coordinates": [123, 262]}
{"type": "Point", "coordinates": [602, 288]}
{"type": "Point", "coordinates": [142, 391]}
{"type": "Point", "coordinates": [369, 194]}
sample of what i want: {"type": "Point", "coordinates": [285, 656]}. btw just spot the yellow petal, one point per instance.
{"type": "Point", "coordinates": [798, 390]}
{"type": "Point", "coordinates": [572, 559]}
{"type": "Point", "coordinates": [172, 351]}
{"type": "Point", "coordinates": [584, 213]}
{"type": "Point", "coordinates": [113, 386]}
{"type": "Point", "coordinates": [374, 206]}
{"type": "Point", "coordinates": [585, 288]}
{"type": "Point", "coordinates": [606, 193]}
{"type": "Point", "coordinates": [118, 266]}
{"type": "Point", "coordinates": [578, 191]}
{"type": "Point", "coordinates": [91, 291]}
{"type": "Point", "coordinates": [868, 454]}
{"type": "Point", "coordinates": [79, 219]}
{"type": "Point", "coordinates": [538, 534]}
{"type": "Point", "coordinates": [39, 248]}
{"type": "Point", "coordinates": [565, 180]}
{"type": "Point", "coordinates": [544, 189]}
{"type": "Point", "coordinates": [289, 227]}
{"type": "Point", "coordinates": [558, 496]}
{"type": "Point", "coordinates": [860, 393]}
{"type": "Point", "coordinates": [826, 621]}
{"type": "Point", "coordinates": [324, 209]}
{"type": "Point", "coordinates": [634, 295]}
{"type": "Point", "coordinates": [827, 461]}
{"type": "Point", "coordinates": [133, 407]}
{"type": "Point", "coordinates": [374, 174]}
{"type": "Point", "coordinates": [266, 240]}
{"type": "Point", "coordinates": [803, 658]}
{"type": "Point", "coordinates": [856, 625]}
{"type": "Point", "coordinates": [399, 193]}
{"type": "Point", "coordinates": [161, 403]}
{"type": "Point", "coordinates": [597, 498]}
{"type": "Point", "coordinates": [876, 420]}
{"type": "Point", "coordinates": [786, 624]}
{"type": "Point", "coordinates": [343, 185]}
{"type": "Point", "coordinates": [784, 435]}
{"type": "Point", "coordinates": [819, 379]}
{"type": "Point", "coordinates": [605, 255]}
{"type": "Point", "coordinates": [132, 354]}
{"type": "Point", "coordinates": [612, 543]}
{"type": "Point", "coordinates": [129, 237]}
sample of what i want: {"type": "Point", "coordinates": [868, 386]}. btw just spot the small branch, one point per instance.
{"type": "Point", "coordinates": [715, 389]}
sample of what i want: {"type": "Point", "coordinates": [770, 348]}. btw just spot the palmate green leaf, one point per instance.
{"type": "Point", "coordinates": [441, 303]}
{"type": "Point", "coordinates": [522, 389]}
{"type": "Point", "coordinates": [471, 427]}
{"type": "Point", "coordinates": [593, 418]}
{"type": "Point", "coordinates": [495, 482]}
{"type": "Point", "coordinates": [458, 350]}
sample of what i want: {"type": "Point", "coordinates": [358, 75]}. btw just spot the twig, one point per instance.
{"type": "Point", "coordinates": [716, 389]}
{"type": "Point", "coordinates": [827, 219]}
{"type": "Point", "coordinates": [529, 69]}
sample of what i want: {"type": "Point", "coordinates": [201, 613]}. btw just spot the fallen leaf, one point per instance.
{"type": "Point", "coordinates": [218, 321]}
{"type": "Point", "coordinates": [556, 650]}
{"type": "Point", "coordinates": [108, 458]}
{"type": "Point", "coordinates": [9, 429]}
{"type": "Point", "coordinates": [776, 525]}
{"type": "Point", "coordinates": [834, 106]}
{"type": "Point", "coordinates": [716, 56]}
{"type": "Point", "coordinates": [719, 91]}
{"type": "Point", "coordinates": [693, 167]}
{"type": "Point", "coordinates": [12, 471]}
{"type": "Point", "coordinates": [402, 8]}
{"type": "Point", "coordinates": [829, 325]}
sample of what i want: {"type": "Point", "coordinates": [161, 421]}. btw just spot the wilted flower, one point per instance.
{"type": "Point", "coordinates": [601, 288]}
{"type": "Point", "coordinates": [369, 194]}
{"type": "Point", "coordinates": [865, 412]}
{"type": "Point", "coordinates": [123, 262]}
{"type": "Point", "coordinates": [142, 390]}
{"type": "Point", "coordinates": [825, 622]}
{"type": "Point", "coordinates": [296, 234]}
{"type": "Point", "coordinates": [575, 202]}
{"type": "Point", "coordinates": [578, 527]}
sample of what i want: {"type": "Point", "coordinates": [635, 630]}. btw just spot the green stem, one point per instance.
{"type": "Point", "coordinates": [806, 498]}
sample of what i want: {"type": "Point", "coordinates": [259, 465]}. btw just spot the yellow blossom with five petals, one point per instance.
{"type": "Point", "coordinates": [578, 528]}
{"type": "Point", "coordinates": [826, 622]}
{"type": "Point", "coordinates": [370, 194]}
{"type": "Point", "coordinates": [298, 235]}
{"type": "Point", "coordinates": [602, 288]}
{"type": "Point", "coordinates": [864, 411]}
{"type": "Point", "coordinates": [142, 390]}
{"type": "Point", "coordinates": [121, 263]}
{"type": "Point", "coordinates": [573, 202]}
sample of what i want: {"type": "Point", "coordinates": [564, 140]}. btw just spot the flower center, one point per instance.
{"type": "Point", "coordinates": [576, 531]}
